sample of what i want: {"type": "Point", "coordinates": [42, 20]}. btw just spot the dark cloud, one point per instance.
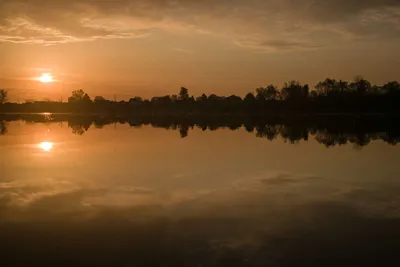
{"type": "Point", "coordinates": [270, 25]}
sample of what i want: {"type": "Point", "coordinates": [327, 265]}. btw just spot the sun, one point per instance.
{"type": "Point", "coordinates": [46, 146]}
{"type": "Point", "coordinates": [46, 78]}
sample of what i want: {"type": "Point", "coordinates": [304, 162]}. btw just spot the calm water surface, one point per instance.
{"type": "Point", "coordinates": [130, 196]}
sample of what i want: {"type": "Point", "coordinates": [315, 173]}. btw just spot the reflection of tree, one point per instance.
{"type": "Point", "coordinates": [360, 139]}
{"type": "Point", "coordinates": [268, 131]}
{"type": "Point", "coordinates": [330, 132]}
{"type": "Point", "coordinates": [330, 139]}
{"type": "Point", "coordinates": [202, 125]}
{"type": "Point", "coordinates": [391, 138]}
{"type": "Point", "coordinates": [184, 131]}
{"type": "Point", "coordinates": [327, 132]}
{"type": "Point", "coordinates": [249, 127]}
{"type": "Point", "coordinates": [293, 134]}
{"type": "Point", "coordinates": [80, 125]}
{"type": "Point", "coordinates": [98, 126]}
{"type": "Point", "coordinates": [3, 127]}
{"type": "Point", "coordinates": [78, 129]}
{"type": "Point", "coordinates": [234, 125]}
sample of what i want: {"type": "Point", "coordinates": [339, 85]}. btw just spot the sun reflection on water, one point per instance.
{"type": "Point", "coordinates": [46, 146]}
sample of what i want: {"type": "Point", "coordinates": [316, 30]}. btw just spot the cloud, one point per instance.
{"type": "Point", "coordinates": [24, 30]}
{"type": "Point", "coordinates": [286, 179]}
{"type": "Point", "coordinates": [276, 44]}
{"type": "Point", "coordinates": [271, 25]}
{"type": "Point", "coordinates": [183, 51]}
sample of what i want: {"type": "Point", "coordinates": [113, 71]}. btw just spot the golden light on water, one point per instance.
{"type": "Point", "coordinates": [46, 146]}
{"type": "Point", "coordinates": [46, 78]}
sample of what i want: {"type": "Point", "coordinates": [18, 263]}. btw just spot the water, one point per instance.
{"type": "Point", "coordinates": [116, 195]}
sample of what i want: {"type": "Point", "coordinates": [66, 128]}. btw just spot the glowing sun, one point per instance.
{"type": "Point", "coordinates": [46, 78]}
{"type": "Point", "coordinates": [46, 146]}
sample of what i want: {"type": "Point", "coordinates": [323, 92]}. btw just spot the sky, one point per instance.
{"type": "Point", "coordinates": [125, 48]}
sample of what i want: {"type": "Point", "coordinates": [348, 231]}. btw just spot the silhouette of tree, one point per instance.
{"type": "Point", "coordinates": [330, 87]}
{"type": "Point", "coordinates": [326, 87]}
{"type": "Point", "coordinates": [313, 94]}
{"type": "Point", "coordinates": [99, 99]}
{"type": "Point", "coordinates": [183, 94]}
{"type": "Point", "coordinates": [343, 86]}
{"type": "Point", "coordinates": [391, 88]}
{"type": "Point", "coordinates": [272, 92]}
{"type": "Point", "coordinates": [249, 98]}
{"type": "Point", "coordinates": [360, 85]}
{"type": "Point", "coordinates": [328, 96]}
{"type": "Point", "coordinates": [214, 99]}
{"type": "Point", "coordinates": [191, 101]}
{"type": "Point", "coordinates": [137, 100]}
{"type": "Point", "coordinates": [161, 101]}
{"type": "Point", "coordinates": [261, 93]}
{"type": "Point", "coordinates": [174, 98]}
{"type": "Point", "coordinates": [233, 101]}
{"type": "Point", "coordinates": [293, 90]}
{"type": "Point", "coordinates": [374, 90]}
{"type": "Point", "coordinates": [306, 91]}
{"type": "Point", "coordinates": [86, 99]}
{"type": "Point", "coordinates": [3, 96]}
{"type": "Point", "coordinates": [202, 98]}
{"type": "Point", "coordinates": [79, 96]}
{"type": "Point", "coordinates": [268, 93]}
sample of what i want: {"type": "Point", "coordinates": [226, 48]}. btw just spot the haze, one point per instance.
{"type": "Point", "coordinates": [147, 48]}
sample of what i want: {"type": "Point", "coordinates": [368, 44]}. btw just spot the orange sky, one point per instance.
{"type": "Point", "coordinates": [147, 48]}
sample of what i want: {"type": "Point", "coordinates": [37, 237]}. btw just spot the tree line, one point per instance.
{"type": "Point", "coordinates": [329, 95]}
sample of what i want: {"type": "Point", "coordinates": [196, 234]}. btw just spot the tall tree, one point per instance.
{"type": "Point", "coordinates": [183, 94]}
{"type": "Point", "coordinates": [79, 96]}
{"type": "Point", "coordinates": [294, 90]}
{"type": "Point", "coordinates": [249, 98]}
{"type": "Point", "coordinates": [3, 96]}
{"type": "Point", "coordinates": [391, 88]}
{"type": "Point", "coordinates": [272, 92]}
{"type": "Point", "coordinates": [343, 86]}
{"type": "Point", "coordinates": [326, 87]}
{"type": "Point", "coordinates": [268, 93]}
{"type": "Point", "coordinates": [86, 99]}
{"type": "Point", "coordinates": [261, 93]}
{"type": "Point", "coordinates": [360, 85]}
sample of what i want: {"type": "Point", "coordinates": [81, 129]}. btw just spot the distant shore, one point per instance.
{"type": "Point", "coordinates": [328, 97]}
